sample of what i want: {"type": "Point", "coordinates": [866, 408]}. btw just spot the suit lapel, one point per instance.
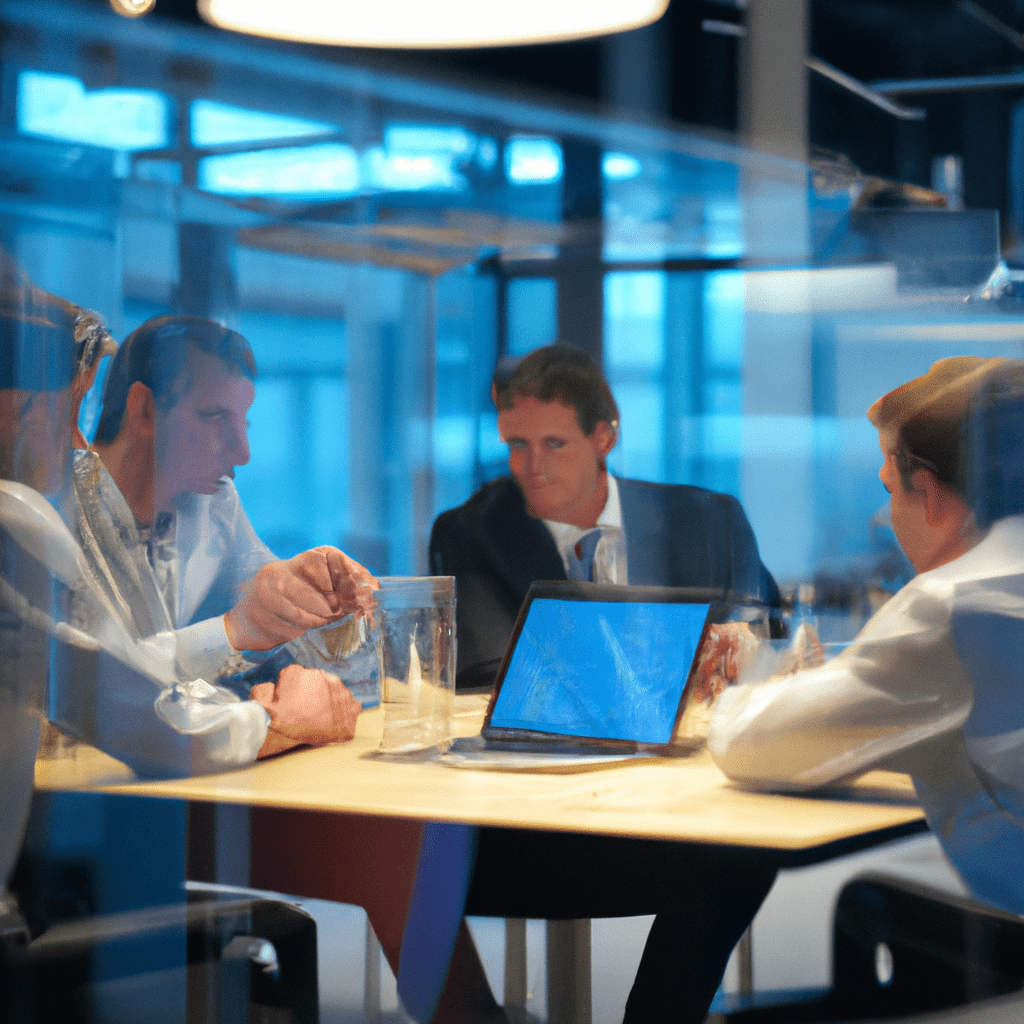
{"type": "Point", "coordinates": [522, 547]}
{"type": "Point", "coordinates": [643, 519]}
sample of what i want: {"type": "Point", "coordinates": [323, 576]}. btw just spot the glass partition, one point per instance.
{"type": "Point", "coordinates": [382, 241]}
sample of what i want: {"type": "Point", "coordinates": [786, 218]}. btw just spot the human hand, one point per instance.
{"type": "Point", "coordinates": [286, 598]}
{"type": "Point", "coordinates": [805, 651]}
{"type": "Point", "coordinates": [307, 706]}
{"type": "Point", "coordinates": [722, 656]}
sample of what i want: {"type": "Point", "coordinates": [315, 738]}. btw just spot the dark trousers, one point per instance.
{"type": "Point", "coordinates": [704, 897]}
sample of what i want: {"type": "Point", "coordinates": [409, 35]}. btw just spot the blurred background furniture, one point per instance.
{"type": "Point", "coordinates": [901, 948]}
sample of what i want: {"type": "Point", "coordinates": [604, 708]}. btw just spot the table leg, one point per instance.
{"type": "Point", "coordinates": [745, 963]}
{"type": "Point", "coordinates": [515, 962]}
{"type": "Point", "coordinates": [371, 977]}
{"type": "Point", "coordinates": [568, 968]}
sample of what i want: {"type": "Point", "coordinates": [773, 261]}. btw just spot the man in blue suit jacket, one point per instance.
{"type": "Point", "coordinates": [558, 416]}
{"type": "Point", "coordinates": [560, 421]}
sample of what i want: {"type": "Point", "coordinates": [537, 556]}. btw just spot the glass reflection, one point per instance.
{"type": "Point", "coordinates": [533, 161]}
{"type": "Point", "coordinates": [59, 107]}
{"type": "Point", "coordinates": [41, 366]}
{"type": "Point", "coordinates": [329, 169]}
{"type": "Point", "coordinates": [219, 124]}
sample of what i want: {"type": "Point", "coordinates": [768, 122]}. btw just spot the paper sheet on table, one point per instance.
{"type": "Point", "coordinates": [472, 752]}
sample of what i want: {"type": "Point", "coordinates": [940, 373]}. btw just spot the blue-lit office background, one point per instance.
{"type": "Point", "coordinates": [381, 242]}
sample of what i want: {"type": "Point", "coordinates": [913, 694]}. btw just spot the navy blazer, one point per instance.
{"type": "Point", "coordinates": [676, 536]}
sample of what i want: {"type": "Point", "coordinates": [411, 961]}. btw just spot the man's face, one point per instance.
{"type": "Point", "coordinates": [907, 508]}
{"type": "Point", "coordinates": [201, 439]}
{"type": "Point", "coordinates": [557, 466]}
{"type": "Point", "coordinates": [35, 437]}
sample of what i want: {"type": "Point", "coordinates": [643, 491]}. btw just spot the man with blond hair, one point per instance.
{"type": "Point", "coordinates": [934, 683]}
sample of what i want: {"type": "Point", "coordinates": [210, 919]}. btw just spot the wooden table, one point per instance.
{"type": "Point", "coordinates": [683, 799]}
{"type": "Point", "coordinates": [686, 799]}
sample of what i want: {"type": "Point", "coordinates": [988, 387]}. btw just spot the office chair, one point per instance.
{"type": "Point", "coordinates": [900, 948]}
{"type": "Point", "coordinates": [151, 948]}
{"type": "Point", "coordinates": [205, 961]}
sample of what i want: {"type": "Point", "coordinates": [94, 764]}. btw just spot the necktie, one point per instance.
{"type": "Point", "coordinates": [581, 566]}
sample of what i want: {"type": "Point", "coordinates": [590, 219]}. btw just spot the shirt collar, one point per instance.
{"type": "Point", "coordinates": [566, 535]}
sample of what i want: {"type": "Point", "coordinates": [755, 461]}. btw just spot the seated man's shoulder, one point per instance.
{"type": "Point", "coordinates": [674, 495]}
{"type": "Point", "coordinates": [494, 498]}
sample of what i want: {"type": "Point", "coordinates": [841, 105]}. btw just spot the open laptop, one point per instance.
{"type": "Point", "coordinates": [593, 668]}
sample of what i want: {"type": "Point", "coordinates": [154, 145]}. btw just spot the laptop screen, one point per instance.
{"type": "Point", "coordinates": [582, 666]}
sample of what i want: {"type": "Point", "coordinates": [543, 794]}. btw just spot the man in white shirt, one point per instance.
{"type": "Point", "coordinates": [164, 532]}
{"type": "Point", "coordinates": [934, 683]}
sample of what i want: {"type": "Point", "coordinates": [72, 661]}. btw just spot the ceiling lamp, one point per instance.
{"type": "Point", "coordinates": [132, 8]}
{"type": "Point", "coordinates": [424, 24]}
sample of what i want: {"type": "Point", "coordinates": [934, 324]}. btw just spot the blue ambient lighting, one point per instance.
{"type": "Point", "coordinates": [418, 157]}
{"type": "Point", "coordinates": [217, 124]}
{"type": "Point", "coordinates": [330, 169]}
{"type": "Point", "coordinates": [620, 166]}
{"type": "Point", "coordinates": [59, 107]}
{"type": "Point", "coordinates": [410, 172]}
{"type": "Point", "coordinates": [533, 161]}
{"type": "Point", "coordinates": [419, 138]}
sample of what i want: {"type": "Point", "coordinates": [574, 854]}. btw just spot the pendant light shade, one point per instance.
{"type": "Point", "coordinates": [423, 24]}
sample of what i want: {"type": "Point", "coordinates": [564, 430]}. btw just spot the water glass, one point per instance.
{"type": "Point", "coordinates": [415, 632]}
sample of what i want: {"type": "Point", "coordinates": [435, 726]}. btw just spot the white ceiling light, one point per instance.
{"type": "Point", "coordinates": [430, 23]}
{"type": "Point", "coordinates": [132, 8]}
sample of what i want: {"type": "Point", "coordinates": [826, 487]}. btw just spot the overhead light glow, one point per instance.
{"type": "Point", "coordinates": [330, 169]}
{"type": "Point", "coordinates": [430, 23]}
{"type": "Point", "coordinates": [218, 124]}
{"type": "Point", "coordinates": [132, 8]}
{"type": "Point", "coordinates": [59, 107]}
{"type": "Point", "coordinates": [533, 161]}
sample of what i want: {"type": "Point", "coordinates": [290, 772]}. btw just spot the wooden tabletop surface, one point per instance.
{"type": "Point", "coordinates": [671, 798]}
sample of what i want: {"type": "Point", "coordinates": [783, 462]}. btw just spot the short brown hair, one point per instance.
{"type": "Point", "coordinates": [928, 416]}
{"type": "Point", "coordinates": [993, 445]}
{"type": "Point", "coordinates": [561, 373]}
{"type": "Point", "coordinates": [158, 354]}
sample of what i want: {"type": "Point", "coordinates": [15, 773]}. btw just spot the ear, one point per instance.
{"type": "Point", "coordinates": [936, 496]}
{"type": "Point", "coordinates": [140, 411]}
{"type": "Point", "coordinates": [605, 436]}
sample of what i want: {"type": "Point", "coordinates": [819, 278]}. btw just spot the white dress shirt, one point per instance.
{"type": "Point", "coordinates": [933, 686]}
{"type": "Point", "coordinates": [610, 557]}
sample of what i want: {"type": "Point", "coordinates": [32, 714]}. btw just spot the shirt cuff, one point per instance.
{"type": "Point", "coordinates": [203, 649]}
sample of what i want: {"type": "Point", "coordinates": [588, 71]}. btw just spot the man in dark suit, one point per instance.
{"type": "Point", "coordinates": [560, 421]}
{"type": "Point", "coordinates": [562, 515]}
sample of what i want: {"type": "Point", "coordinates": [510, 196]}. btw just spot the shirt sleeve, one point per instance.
{"type": "Point", "coordinates": [899, 685]}
{"type": "Point", "coordinates": [203, 648]}
{"type": "Point", "coordinates": [230, 731]}
{"type": "Point", "coordinates": [219, 552]}
{"type": "Point", "coordinates": [122, 695]}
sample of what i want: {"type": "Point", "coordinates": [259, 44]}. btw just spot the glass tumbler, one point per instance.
{"type": "Point", "coordinates": [415, 631]}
